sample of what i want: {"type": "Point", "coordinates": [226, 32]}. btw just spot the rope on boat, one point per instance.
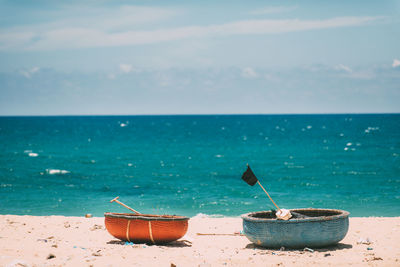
{"type": "Point", "coordinates": [150, 232]}
{"type": "Point", "coordinates": [127, 230]}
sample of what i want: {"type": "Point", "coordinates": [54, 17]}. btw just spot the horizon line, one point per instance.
{"type": "Point", "coordinates": [202, 114]}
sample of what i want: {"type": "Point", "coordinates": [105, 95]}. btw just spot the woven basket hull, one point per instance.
{"type": "Point", "coordinates": [322, 227]}
{"type": "Point", "coordinates": [140, 228]}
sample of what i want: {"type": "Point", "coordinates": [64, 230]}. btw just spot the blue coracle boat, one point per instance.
{"type": "Point", "coordinates": [308, 228]}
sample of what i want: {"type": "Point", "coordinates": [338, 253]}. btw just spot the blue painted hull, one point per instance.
{"type": "Point", "coordinates": [318, 228]}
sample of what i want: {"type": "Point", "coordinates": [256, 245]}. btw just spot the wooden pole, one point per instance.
{"type": "Point", "coordinates": [268, 195]}
{"type": "Point", "coordinates": [119, 202]}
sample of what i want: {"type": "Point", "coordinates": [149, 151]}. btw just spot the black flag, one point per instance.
{"type": "Point", "coordinates": [249, 177]}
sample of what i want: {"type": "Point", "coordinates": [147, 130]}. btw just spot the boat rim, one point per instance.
{"type": "Point", "coordinates": [147, 217]}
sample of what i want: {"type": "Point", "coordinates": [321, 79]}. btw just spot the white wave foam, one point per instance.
{"type": "Point", "coordinates": [204, 216]}
{"type": "Point", "coordinates": [201, 215]}
{"type": "Point", "coordinates": [56, 171]}
{"type": "Point", "coordinates": [371, 129]}
{"type": "Point", "coordinates": [31, 154]}
{"type": "Point", "coordinates": [296, 167]}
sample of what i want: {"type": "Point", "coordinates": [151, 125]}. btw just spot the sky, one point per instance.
{"type": "Point", "coordinates": [199, 57]}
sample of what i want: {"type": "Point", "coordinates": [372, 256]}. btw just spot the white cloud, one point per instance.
{"type": "Point", "coordinates": [357, 74]}
{"type": "Point", "coordinates": [125, 68]}
{"type": "Point", "coordinates": [35, 69]}
{"type": "Point", "coordinates": [292, 25]}
{"type": "Point", "coordinates": [396, 63]}
{"type": "Point", "coordinates": [249, 73]}
{"type": "Point", "coordinates": [344, 68]}
{"type": "Point", "coordinates": [84, 37]}
{"type": "Point", "coordinates": [28, 73]}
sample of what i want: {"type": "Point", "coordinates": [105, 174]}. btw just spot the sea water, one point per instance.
{"type": "Point", "coordinates": [188, 165]}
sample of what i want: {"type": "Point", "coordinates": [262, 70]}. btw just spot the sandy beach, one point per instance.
{"type": "Point", "coordinates": [80, 241]}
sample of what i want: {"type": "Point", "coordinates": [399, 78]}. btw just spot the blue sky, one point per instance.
{"type": "Point", "coordinates": [199, 57]}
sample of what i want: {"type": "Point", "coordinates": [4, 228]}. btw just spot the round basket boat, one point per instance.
{"type": "Point", "coordinates": [145, 228]}
{"type": "Point", "coordinates": [307, 228]}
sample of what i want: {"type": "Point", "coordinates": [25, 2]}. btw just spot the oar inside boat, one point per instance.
{"type": "Point", "coordinates": [122, 204]}
{"type": "Point", "coordinates": [250, 178]}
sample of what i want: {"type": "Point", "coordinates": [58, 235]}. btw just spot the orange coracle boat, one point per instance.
{"type": "Point", "coordinates": [145, 228]}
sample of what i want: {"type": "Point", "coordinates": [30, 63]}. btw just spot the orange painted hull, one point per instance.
{"type": "Point", "coordinates": [144, 228]}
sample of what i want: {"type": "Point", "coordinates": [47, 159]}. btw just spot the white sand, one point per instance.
{"type": "Point", "coordinates": [80, 241]}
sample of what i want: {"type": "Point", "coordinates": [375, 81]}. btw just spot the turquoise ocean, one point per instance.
{"type": "Point", "coordinates": [188, 165]}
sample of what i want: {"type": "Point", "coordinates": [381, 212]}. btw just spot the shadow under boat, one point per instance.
{"type": "Point", "coordinates": [336, 247]}
{"type": "Point", "coordinates": [172, 244]}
